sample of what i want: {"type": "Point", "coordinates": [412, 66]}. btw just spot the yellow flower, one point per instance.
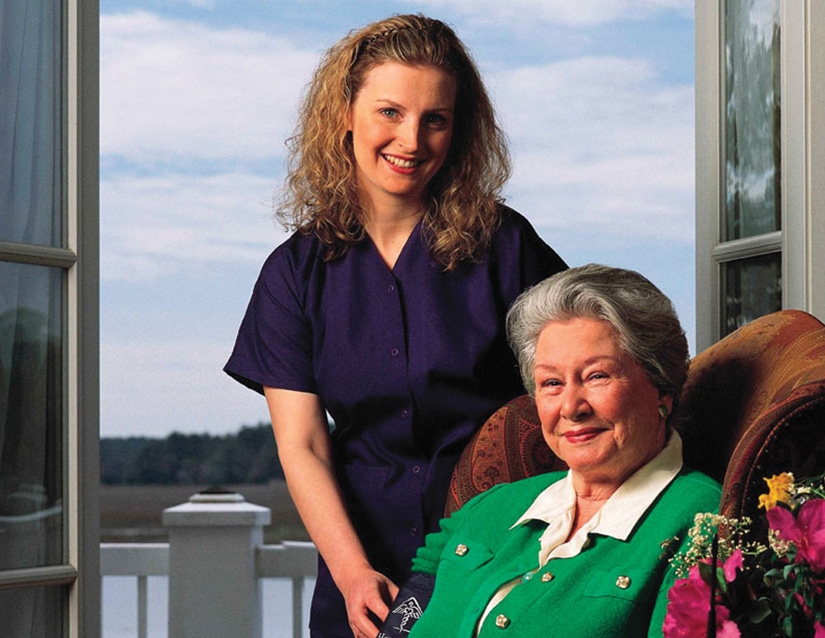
{"type": "Point", "coordinates": [779, 486]}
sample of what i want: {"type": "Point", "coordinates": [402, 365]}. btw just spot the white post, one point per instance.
{"type": "Point", "coordinates": [213, 586]}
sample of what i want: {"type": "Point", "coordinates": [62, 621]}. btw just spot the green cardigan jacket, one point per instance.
{"type": "Point", "coordinates": [611, 589]}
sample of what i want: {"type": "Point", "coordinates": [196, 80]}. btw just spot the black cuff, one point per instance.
{"type": "Point", "coordinates": [408, 606]}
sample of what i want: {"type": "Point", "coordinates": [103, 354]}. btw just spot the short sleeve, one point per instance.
{"type": "Point", "coordinates": [538, 259]}
{"type": "Point", "coordinates": [524, 258]}
{"type": "Point", "coordinates": [274, 343]}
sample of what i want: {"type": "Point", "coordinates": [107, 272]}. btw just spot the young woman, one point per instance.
{"type": "Point", "coordinates": [385, 310]}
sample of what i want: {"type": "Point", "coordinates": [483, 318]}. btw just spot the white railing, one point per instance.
{"type": "Point", "coordinates": [215, 561]}
{"type": "Point", "coordinates": [140, 560]}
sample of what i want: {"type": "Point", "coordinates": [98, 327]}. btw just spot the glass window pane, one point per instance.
{"type": "Point", "coordinates": [752, 118]}
{"type": "Point", "coordinates": [31, 122]}
{"type": "Point", "coordinates": [31, 416]}
{"type": "Point", "coordinates": [751, 288]}
{"type": "Point", "coordinates": [36, 612]}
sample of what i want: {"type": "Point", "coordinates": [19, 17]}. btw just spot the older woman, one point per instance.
{"type": "Point", "coordinates": [585, 552]}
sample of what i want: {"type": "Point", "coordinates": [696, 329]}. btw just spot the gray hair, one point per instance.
{"type": "Point", "coordinates": [644, 318]}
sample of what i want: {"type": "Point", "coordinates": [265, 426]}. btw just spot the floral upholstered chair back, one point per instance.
{"type": "Point", "coordinates": [753, 406]}
{"type": "Point", "coordinates": [508, 447]}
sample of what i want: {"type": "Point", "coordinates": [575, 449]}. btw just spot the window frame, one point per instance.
{"type": "Point", "coordinates": [83, 301]}
{"type": "Point", "coordinates": [802, 238]}
{"type": "Point", "coordinates": [79, 259]}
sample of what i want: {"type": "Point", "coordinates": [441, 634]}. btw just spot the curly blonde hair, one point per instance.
{"type": "Point", "coordinates": [320, 194]}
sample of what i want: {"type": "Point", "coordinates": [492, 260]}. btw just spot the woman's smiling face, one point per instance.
{"type": "Point", "coordinates": [599, 411]}
{"type": "Point", "coordinates": [402, 125]}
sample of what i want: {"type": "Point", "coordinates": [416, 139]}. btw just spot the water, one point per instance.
{"type": "Point", "coordinates": [119, 604]}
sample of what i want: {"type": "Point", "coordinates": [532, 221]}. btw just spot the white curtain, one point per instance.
{"type": "Point", "coordinates": [31, 411]}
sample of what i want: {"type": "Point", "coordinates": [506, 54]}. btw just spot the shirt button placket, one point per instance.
{"type": "Point", "coordinates": [416, 477]}
{"type": "Point", "coordinates": [391, 288]}
{"type": "Point", "coordinates": [397, 345]}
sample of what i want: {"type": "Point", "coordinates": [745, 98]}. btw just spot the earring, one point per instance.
{"type": "Point", "coordinates": [663, 412]}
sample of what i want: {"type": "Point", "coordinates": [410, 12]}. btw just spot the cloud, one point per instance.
{"type": "Point", "coordinates": [601, 141]}
{"type": "Point", "coordinates": [173, 385]}
{"type": "Point", "coordinates": [597, 141]}
{"type": "Point", "coordinates": [175, 89]}
{"type": "Point", "coordinates": [182, 225]}
{"type": "Point", "coordinates": [581, 13]}
{"type": "Point", "coordinates": [199, 4]}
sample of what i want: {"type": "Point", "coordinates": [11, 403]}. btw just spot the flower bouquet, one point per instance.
{"type": "Point", "coordinates": [731, 585]}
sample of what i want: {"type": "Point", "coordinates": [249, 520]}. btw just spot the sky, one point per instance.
{"type": "Point", "coordinates": [199, 96]}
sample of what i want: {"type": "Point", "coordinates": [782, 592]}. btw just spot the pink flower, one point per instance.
{"type": "Point", "coordinates": [806, 530]}
{"type": "Point", "coordinates": [689, 606]}
{"type": "Point", "coordinates": [819, 630]}
{"type": "Point", "coordinates": [732, 565]}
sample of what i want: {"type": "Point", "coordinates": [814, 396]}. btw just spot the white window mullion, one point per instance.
{"type": "Point", "coordinates": [709, 77]}
{"type": "Point", "coordinates": [71, 158]}
{"type": "Point", "coordinates": [83, 440]}
{"type": "Point", "coordinates": [795, 123]}
{"type": "Point", "coordinates": [815, 166]}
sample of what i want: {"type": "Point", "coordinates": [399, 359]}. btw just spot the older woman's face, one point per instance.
{"type": "Point", "coordinates": [599, 412]}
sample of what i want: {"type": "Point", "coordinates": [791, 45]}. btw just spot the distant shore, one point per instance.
{"type": "Point", "coordinates": [133, 513]}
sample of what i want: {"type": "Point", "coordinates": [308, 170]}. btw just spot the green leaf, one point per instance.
{"type": "Point", "coordinates": [772, 573]}
{"type": "Point", "coordinates": [707, 572]}
{"type": "Point", "coordinates": [722, 584]}
{"type": "Point", "coordinates": [758, 612]}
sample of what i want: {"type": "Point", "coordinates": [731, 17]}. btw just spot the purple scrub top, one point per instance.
{"type": "Point", "coordinates": [408, 362]}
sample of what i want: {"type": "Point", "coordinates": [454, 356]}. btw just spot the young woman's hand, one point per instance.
{"type": "Point", "coordinates": [368, 595]}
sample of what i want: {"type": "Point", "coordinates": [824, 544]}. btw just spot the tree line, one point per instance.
{"type": "Point", "coordinates": [250, 456]}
